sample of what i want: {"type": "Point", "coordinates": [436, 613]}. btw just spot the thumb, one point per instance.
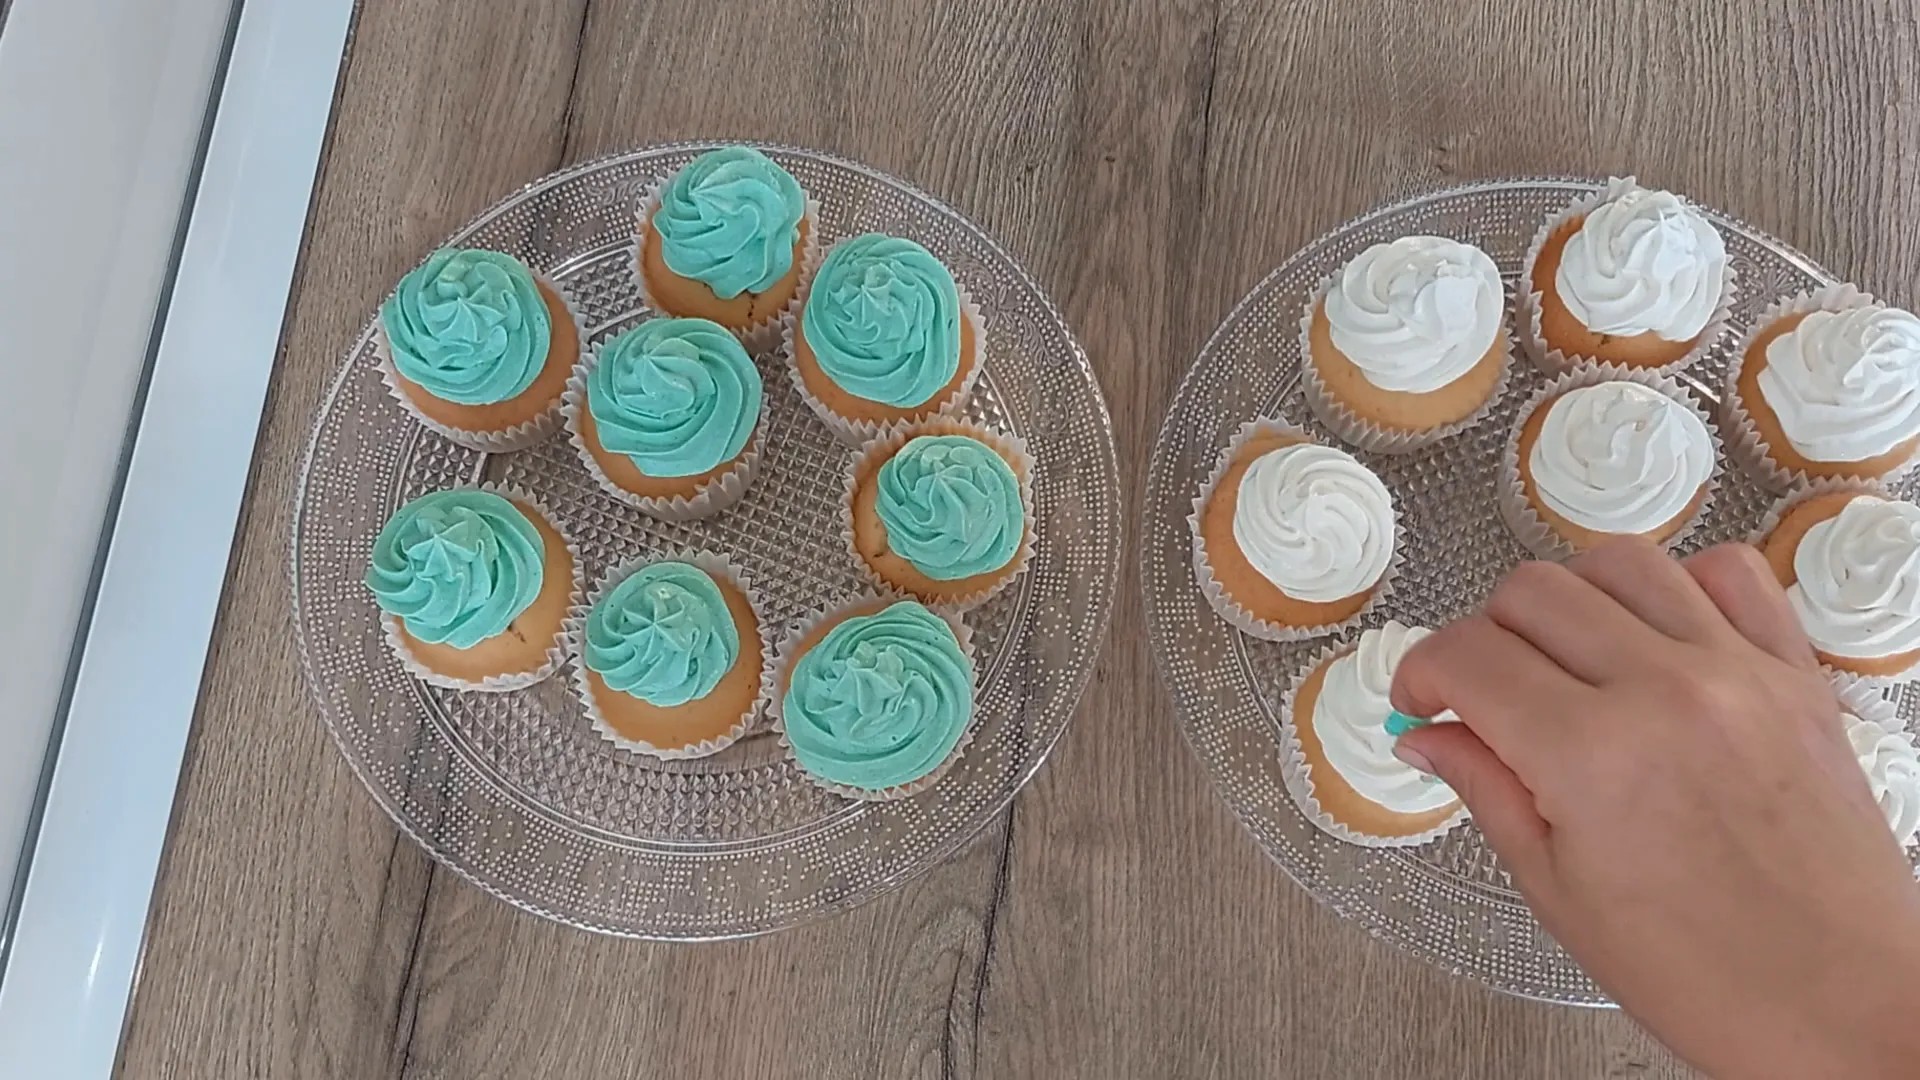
{"type": "Point", "coordinates": [1502, 806]}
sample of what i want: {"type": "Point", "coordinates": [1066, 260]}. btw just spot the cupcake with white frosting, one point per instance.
{"type": "Point", "coordinates": [1407, 344]}
{"type": "Point", "coordinates": [1849, 558]}
{"type": "Point", "coordinates": [1339, 732]}
{"type": "Point", "coordinates": [1887, 755]}
{"type": "Point", "coordinates": [1601, 453]}
{"type": "Point", "coordinates": [1629, 276]}
{"type": "Point", "coordinates": [1291, 539]}
{"type": "Point", "coordinates": [1827, 387]}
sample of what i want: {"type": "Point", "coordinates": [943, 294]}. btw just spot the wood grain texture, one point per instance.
{"type": "Point", "coordinates": [1148, 162]}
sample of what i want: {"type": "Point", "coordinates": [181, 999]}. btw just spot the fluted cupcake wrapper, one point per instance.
{"type": "Point", "coordinates": [856, 432]}
{"type": "Point", "coordinates": [1517, 510]}
{"type": "Point", "coordinates": [1350, 427]}
{"type": "Point", "coordinates": [720, 493]}
{"type": "Point", "coordinates": [789, 652]}
{"type": "Point", "coordinates": [1868, 701]}
{"type": "Point", "coordinates": [518, 437]}
{"type": "Point", "coordinates": [1298, 774]}
{"type": "Point", "coordinates": [1215, 592]}
{"type": "Point", "coordinates": [760, 336]}
{"type": "Point", "coordinates": [1011, 447]}
{"type": "Point", "coordinates": [1745, 443]}
{"type": "Point", "coordinates": [720, 567]}
{"type": "Point", "coordinates": [556, 652]}
{"type": "Point", "coordinates": [1527, 301]}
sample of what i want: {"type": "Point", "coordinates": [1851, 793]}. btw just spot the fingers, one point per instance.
{"type": "Point", "coordinates": [1738, 581]}
{"type": "Point", "coordinates": [1506, 690]}
{"type": "Point", "coordinates": [1649, 583]}
{"type": "Point", "coordinates": [1572, 622]}
{"type": "Point", "coordinates": [1502, 806]}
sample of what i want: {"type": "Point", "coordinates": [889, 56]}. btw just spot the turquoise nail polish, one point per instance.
{"type": "Point", "coordinates": [1399, 723]}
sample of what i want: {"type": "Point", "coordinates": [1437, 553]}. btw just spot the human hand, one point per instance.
{"type": "Point", "coordinates": [1652, 750]}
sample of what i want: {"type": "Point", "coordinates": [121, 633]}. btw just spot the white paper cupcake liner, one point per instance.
{"type": "Point", "coordinates": [1298, 774]}
{"type": "Point", "coordinates": [715, 495]}
{"type": "Point", "coordinates": [761, 335]}
{"type": "Point", "coordinates": [789, 652]}
{"type": "Point", "coordinates": [1364, 434]}
{"type": "Point", "coordinates": [1011, 447]}
{"type": "Point", "coordinates": [720, 567]}
{"type": "Point", "coordinates": [1517, 510]}
{"type": "Point", "coordinates": [855, 432]}
{"type": "Point", "coordinates": [1745, 443]}
{"type": "Point", "coordinates": [556, 652]}
{"type": "Point", "coordinates": [1527, 301]}
{"type": "Point", "coordinates": [1868, 702]}
{"type": "Point", "coordinates": [518, 437]}
{"type": "Point", "coordinates": [1210, 586]}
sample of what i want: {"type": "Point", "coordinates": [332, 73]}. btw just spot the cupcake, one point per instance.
{"type": "Point", "coordinates": [667, 417]}
{"type": "Point", "coordinates": [1599, 454]}
{"type": "Point", "coordinates": [1407, 344]}
{"type": "Point", "coordinates": [1339, 731]}
{"type": "Point", "coordinates": [1291, 539]}
{"type": "Point", "coordinates": [875, 700]}
{"type": "Point", "coordinates": [1630, 276]}
{"type": "Point", "coordinates": [474, 585]}
{"type": "Point", "coordinates": [478, 348]}
{"type": "Point", "coordinates": [1827, 387]}
{"type": "Point", "coordinates": [883, 336]}
{"type": "Point", "coordinates": [1887, 755]}
{"type": "Point", "coordinates": [672, 656]}
{"type": "Point", "coordinates": [942, 511]}
{"type": "Point", "coordinates": [725, 239]}
{"type": "Point", "coordinates": [1849, 559]}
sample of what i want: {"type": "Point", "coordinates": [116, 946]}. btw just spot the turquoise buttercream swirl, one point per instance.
{"type": "Point", "coordinates": [457, 567]}
{"type": "Point", "coordinates": [951, 506]}
{"type": "Point", "coordinates": [881, 700]}
{"type": "Point", "coordinates": [677, 396]}
{"type": "Point", "coordinates": [883, 320]}
{"type": "Point", "coordinates": [730, 219]}
{"type": "Point", "coordinates": [469, 326]}
{"type": "Point", "coordinates": [664, 635]}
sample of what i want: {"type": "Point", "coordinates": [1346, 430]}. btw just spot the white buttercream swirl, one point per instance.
{"type": "Point", "coordinates": [1644, 261]}
{"type": "Point", "coordinates": [1416, 314]}
{"type": "Point", "coordinates": [1620, 457]}
{"type": "Point", "coordinates": [1315, 522]}
{"type": "Point", "coordinates": [1857, 591]}
{"type": "Point", "coordinates": [1350, 720]}
{"type": "Point", "coordinates": [1846, 384]}
{"type": "Point", "coordinates": [1892, 765]}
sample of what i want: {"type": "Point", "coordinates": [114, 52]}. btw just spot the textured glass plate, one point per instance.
{"type": "Point", "coordinates": [1448, 901]}
{"type": "Point", "coordinates": [515, 791]}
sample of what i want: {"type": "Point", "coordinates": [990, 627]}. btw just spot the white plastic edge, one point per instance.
{"type": "Point", "coordinates": [82, 917]}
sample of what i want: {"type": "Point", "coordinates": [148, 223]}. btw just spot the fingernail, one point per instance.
{"type": "Point", "coordinates": [1412, 757]}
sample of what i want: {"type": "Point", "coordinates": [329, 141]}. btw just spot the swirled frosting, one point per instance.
{"type": "Point", "coordinates": [1643, 262]}
{"type": "Point", "coordinates": [1858, 580]}
{"type": "Point", "coordinates": [677, 396]}
{"type": "Point", "coordinates": [1315, 522]}
{"type": "Point", "coordinates": [1416, 314]}
{"type": "Point", "coordinates": [1619, 457]}
{"type": "Point", "coordinates": [1845, 385]}
{"type": "Point", "coordinates": [468, 326]}
{"type": "Point", "coordinates": [663, 635]}
{"type": "Point", "coordinates": [883, 320]}
{"type": "Point", "coordinates": [457, 567]}
{"type": "Point", "coordinates": [951, 506]}
{"type": "Point", "coordinates": [730, 219]}
{"type": "Point", "coordinates": [1892, 765]}
{"type": "Point", "coordinates": [880, 700]}
{"type": "Point", "coordinates": [1350, 720]}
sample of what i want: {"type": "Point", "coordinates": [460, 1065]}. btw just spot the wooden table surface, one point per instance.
{"type": "Point", "coordinates": [1148, 162]}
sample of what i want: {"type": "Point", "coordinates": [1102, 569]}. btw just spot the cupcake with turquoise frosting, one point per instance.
{"type": "Point", "coordinates": [478, 348]}
{"type": "Point", "coordinates": [474, 587]}
{"type": "Point", "coordinates": [883, 335]}
{"type": "Point", "coordinates": [673, 655]}
{"type": "Point", "coordinates": [729, 238]}
{"type": "Point", "coordinates": [667, 417]}
{"type": "Point", "coordinates": [942, 511]}
{"type": "Point", "coordinates": [875, 700]}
